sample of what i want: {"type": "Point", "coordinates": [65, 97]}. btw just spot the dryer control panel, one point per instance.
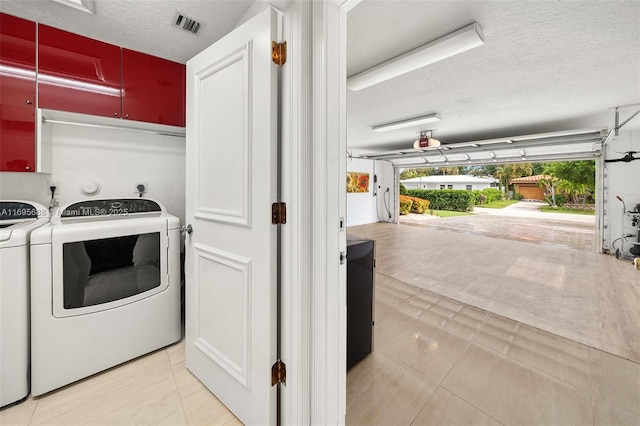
{"type": "Point", "coordinates": [111, 207]}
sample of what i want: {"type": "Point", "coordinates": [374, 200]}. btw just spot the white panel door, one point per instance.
{"type": "Point", "coordinates": [231, 274]}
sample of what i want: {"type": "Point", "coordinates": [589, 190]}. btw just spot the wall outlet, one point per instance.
{"type": "Point", "coordinates": [51, 183]}
{"type": "Point", "coordinates": [141, 187]}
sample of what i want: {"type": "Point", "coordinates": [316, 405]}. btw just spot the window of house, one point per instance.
{"type": "Point", "coordinates": [442, 186]}
{"type": "Point", "coordinates": [449, 186]}
{"type": "Point", "coordinates": [469, 187]}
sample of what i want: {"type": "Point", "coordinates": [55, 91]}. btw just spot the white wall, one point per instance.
{"type": "Point", "coordinates": [114, 159]}
{"type": "Point", "coordinates": [436, 185]}
{"type": "Point", "coordinates": [622, 179]}
{"type": "Point", "coordinates": [369, 207]}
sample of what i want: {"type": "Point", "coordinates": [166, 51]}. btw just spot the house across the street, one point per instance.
{"type": "Point", "coordinates": [451, 182]}
{"type": "Point", "coordinates": [529, 187]}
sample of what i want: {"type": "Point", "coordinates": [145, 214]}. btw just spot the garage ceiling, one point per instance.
{"type": "Point", "coordinates": [546, 66]}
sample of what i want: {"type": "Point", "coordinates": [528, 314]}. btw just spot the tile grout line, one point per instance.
{"type": "Point", "coordinates": [439, 384]}
{"type": "Point", "coordinates": [175, 382]}
{"type": "Point", "coordinates": [471, 342]}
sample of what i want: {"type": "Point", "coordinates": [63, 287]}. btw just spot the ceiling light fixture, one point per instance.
{"type": "Point", "coordinates": [83, 5]}
{"type": "Point", "coordinates": [459, 41]}
{"type": "Point", "coordinates": [407, 123]}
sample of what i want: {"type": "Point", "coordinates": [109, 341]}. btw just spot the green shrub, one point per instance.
{"type": "Point", "coordinates": [560, 200]}
{"type": "Point", "coordinates": [419, 205]}
{"type": "Point", "coordinates": [518, 196]}
{"type": "Point", "coordinates": [476, 194]}
{"type": "Point", "coordinates": [413, 205]}
{"type": "Point", "coordinates": [446, 199]}
{"type": "Point", "coordinates": [403, 189]}
{"type": "Point", "coordinates": [405, 204]}
{"type": "Point", "coordinates": [492, 194]}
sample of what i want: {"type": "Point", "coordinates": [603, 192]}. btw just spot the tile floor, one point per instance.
{"type": "Point", "coordinates": [490, 353]}
{"type": "Point", "coordinates": [586, 297]}
{"type": "Point", "coordinates": [442, 362]}
{"type": "Point", "coordinates": [577, 235]}
{"type": "Point", "coordinates": [155, 389]}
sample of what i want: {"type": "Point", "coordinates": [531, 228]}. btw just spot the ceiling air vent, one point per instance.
{"type": "Point", "coordinates": [181, 20]}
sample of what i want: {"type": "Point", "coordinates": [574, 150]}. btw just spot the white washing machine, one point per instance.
{"type": "Point", "coordinates": [17, 220]}
{"type": "Point", "coordinates": [105, 288]}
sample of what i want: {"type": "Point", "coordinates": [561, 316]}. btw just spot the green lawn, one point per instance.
{"type": "Point", "coordinates": [448, 213]}
{"type": "Point", "coordinates": [499, 204]}
{"type": "Point", "coordinates": [564, 210]}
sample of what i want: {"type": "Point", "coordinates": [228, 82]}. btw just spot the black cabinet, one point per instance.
{"type": "Point", "coordinates": [360, 298]}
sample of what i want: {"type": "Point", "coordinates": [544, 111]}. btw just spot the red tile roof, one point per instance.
{"type": "Point", "coordinates": [530, 179]}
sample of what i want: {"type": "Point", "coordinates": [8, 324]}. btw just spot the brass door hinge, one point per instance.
{"type": "Point", "coordinates": [279, 52]}
{"type": "Point", "coordinates": [278, 373]}
{"type": "Point", "coordinates": [278, 213]}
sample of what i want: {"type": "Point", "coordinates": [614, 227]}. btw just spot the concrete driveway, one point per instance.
{"type": "Point", "coordinates": [521, 222]}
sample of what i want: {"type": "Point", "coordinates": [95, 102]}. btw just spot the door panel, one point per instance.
{"type": "Point", "coordinates": [231, 270]}
{"type": "Point", "coordinates": [224, 328]}
{"type": "Point", "coordinates": [228, 120]}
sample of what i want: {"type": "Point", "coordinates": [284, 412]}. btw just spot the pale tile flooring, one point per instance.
{"type": "Point", "coordinates": [473, 330]}
{"type": "Point", "coordinates": [459, 340]}
{"type": "Point", "coordinates": [155, 389]}
{"type": "Point", "coordinates": [442, 362]}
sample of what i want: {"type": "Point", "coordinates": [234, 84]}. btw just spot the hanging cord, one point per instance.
{"type": "Point", "coordinates": [387, 200]}
{"type": "Point", "coordinates": [52, 202]}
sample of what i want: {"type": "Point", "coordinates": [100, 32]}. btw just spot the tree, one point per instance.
{"type": "Point", "coordinates": [574, 191]}
{"type": "Point", "coordinates": [485, 170]}
{"type": "Point", "coordinates": [576, 179]}
{"type": "Point", "coordinates": [512, 171]}
{"type": "Point", "coordinates": [575, 171]}
{"type": "Point", "coordinates": [538, 168]}
{"type": "Point", "coordinates": [412, 173]}
{"type": "Point", "coordinates": [549, 183]}
{"type": "Point", "coordinates": [448, 171]}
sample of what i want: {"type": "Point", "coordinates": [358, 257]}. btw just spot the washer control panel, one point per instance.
{"type": "Point", "coordinates": [111, 207]}
{"type": "Point", "coordinates": [10, 210]}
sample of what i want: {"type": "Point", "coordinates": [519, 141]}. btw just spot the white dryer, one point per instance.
{"type": "Point", "coordinates": [17, 220]}
{"type": "Point", "coordinates": [105, 288]}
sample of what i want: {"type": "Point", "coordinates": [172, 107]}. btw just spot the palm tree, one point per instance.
{"type": "Point", "coordinates": [574, 190]}
{"type": "Point", "coordinates": [549, 182]}
{"type": "Point", "coordinates": [511, 171]}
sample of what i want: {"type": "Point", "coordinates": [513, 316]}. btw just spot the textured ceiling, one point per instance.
{"type": "Point", "coordinates": [545, 66]}
{"type": "Point", "coordinates": [141, 25]}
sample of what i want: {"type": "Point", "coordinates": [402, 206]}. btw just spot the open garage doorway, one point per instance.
{"type": "Point", "coordinates": [551, 203]}
{"type": "Point", "coordinates": [473, 312]}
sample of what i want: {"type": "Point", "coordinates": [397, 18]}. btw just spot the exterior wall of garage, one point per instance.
{"type": "Point", "coordinates": [530, 191]}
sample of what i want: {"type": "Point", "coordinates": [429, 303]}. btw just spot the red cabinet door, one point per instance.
{"type": "Point", "coordinates": [17, 94]}
{"type": "Point", "coordinates": [153, 89]}
{"type": "Point", "coordinates": [78, 74]}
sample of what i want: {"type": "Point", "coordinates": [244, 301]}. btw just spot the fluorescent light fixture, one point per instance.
{"type": "Point", "coordinates": [406, 123]}
{"type": "Point", "coordinates": [459, 41]}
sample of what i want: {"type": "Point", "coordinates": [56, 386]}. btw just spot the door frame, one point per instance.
{"type": "Point", "coordinates": [313, 186]}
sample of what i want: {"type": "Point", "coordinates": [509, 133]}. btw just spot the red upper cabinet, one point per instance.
{"type": "Point", "coordinates": [78, 74]}
{"type": "Point", "coordinates": [17, 94]}
{"type": "Point", "coordinates": [153, 89]}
